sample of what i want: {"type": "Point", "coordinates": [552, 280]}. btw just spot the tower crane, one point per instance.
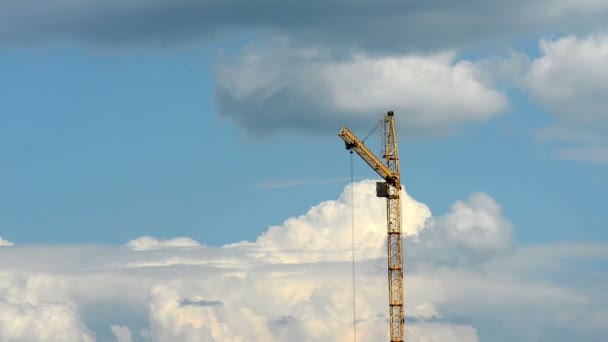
{"type": "Point", "coordinates": [389, 189]}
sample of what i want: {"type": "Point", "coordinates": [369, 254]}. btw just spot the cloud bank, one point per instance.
{"type": "Point", "coordinates": [465, 281]}
{"type": "Point", "coordinates": [355, 25]}
{"type": "Point", "coordinates": [41, 322]}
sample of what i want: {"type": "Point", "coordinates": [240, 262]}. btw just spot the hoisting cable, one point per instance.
{"type": "Point", "coordinates": [352, 203]}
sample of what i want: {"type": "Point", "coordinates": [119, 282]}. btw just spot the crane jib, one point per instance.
{"type": "Point", "coordinates": [352, 142]}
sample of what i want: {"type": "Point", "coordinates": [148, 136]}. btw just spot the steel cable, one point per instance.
{"type": "Point", "coordinates": [352, 203]}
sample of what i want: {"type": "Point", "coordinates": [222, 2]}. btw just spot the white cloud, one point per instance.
{"type": "Point", "coordinates": [146, 243]}
{"type": "Point", "coordinates": [274, 87]}
{"type": "Point", "coordinates": [476, 224]}
{"type": "Point", "coordinates": [122, 334]}
{"type": "Point", "coordinates": [293, 283]}
{"type": "Point", "coordinates": [42, 322]}
{"type": "Point", "coordinates": [323, 233]}
{"type": "Point", "coordinates": [170, 320]}
{"type": "Point", "coordinates": [571, 78]}
{"type": "Point", "coordinates": [5, 243]}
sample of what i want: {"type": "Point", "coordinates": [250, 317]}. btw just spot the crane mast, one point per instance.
{"type": "Point", "coordinates": [390, 189]}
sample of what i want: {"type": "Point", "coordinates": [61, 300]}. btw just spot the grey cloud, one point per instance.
{"type": "Point", "coordinates": [277, 86]}
{"type": "Point", "coordinates": [379, 26]}
{"type": "Point", "coordinates": [202, 302]}
{"type": "Point", "coordinates": [284, 320]}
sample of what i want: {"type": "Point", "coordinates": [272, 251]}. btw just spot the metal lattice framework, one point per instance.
{"type": "Point", "coordinates": [390, 189]}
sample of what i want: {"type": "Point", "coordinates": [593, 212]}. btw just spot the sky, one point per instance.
{"type": "Point", "coordinates": [178, 163]}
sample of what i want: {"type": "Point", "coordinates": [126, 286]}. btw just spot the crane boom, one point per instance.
{"type": "Point", "coordinates": [352, 142]}
{"type": "Point", "coordinates": [389, 189]}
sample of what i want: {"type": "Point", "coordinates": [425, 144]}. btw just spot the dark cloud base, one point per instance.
{"type": "Point", "coordinates": [381, 26]}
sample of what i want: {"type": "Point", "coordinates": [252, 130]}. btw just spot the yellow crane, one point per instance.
{"type": "Point", "coordinates": [390, 189]}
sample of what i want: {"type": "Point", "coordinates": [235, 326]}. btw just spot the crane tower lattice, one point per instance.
{"type": "Point", "coordinates": [390, 189]}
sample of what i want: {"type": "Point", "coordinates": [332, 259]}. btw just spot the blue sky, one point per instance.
{"type": "Point", "coordinates": [180, 161]}
{"type": "Point", "coordinates": [105, 146]}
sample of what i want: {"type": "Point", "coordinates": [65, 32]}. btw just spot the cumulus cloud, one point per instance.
{"type": "Point", "coordinates": [476, 224]}
{"type": "Point", "coordinates": [269, 88]}
{"type": "Point", "coordinates": [5, 243]}
{"type": "Point", "coordinates": [465, 281]}
{"type": "Point", "coordinates": [42, 322]}
{"type": "Point", "coordinates": [570, 79]}
{"type": "Point", "coordinates": [381, 26]}
{"type": "Point", "coordinates": [320, 233]}
{"type": "Point", "coordinates": [173, 320]}
{"type": "Point", "coordinates": [122, 334]}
